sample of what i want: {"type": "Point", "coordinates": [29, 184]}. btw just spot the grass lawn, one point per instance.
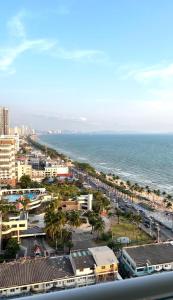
{"type": "Point", "coordinates": [127, 229]}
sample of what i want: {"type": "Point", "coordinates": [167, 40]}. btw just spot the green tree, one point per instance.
{"type": "Point", "coordinates": [25, 182]}
{"type": "Point", "coordinates": [69, 244]}
{"type": "Point", "coordinates": [50, 221]}
{"type": "Point", "coordinates": [99, 226]}
{"type": "Point", "coordinates": [11, 249]}
{"type": "Point", "coordinates": [74, 218]}
{"type": "Point", "coordinates": [169, 205]}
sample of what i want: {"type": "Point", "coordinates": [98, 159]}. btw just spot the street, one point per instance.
{"type": "Point", "coordinates": [159, 225]}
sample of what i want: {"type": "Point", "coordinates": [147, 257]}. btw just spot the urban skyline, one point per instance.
{"type": "Point", "coordinates": [94, 65]}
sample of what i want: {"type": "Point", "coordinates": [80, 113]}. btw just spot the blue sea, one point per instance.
{"type": "Point", "coordinates": [145, 159]}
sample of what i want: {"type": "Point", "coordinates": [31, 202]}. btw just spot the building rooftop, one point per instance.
{"type": "Point", "coordinates": [82, 259]}
{"type": "Point", "coordinates": [103, 255]}
{"type": "Point", "coordinates": [34, 271]}
{"type": "Point", "coordinates": [33, 230]}
{"type": "Point", "coordinates": [152, 254]}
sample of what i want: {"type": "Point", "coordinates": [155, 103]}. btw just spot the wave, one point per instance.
{"type": "Point", "coordinates": [81, 158]}
{"type": "Point", "coordinates": [138, 158]}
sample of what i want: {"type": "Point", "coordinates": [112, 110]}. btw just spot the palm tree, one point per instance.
{"type": "Point", "coordinates": [128, 183]}
{"type": "Point", "coordinates": [99, 226]}
{"type": "Point", "coordinates": [25, 203]}
{"type": "Point", "coordinates": [148, 192]}
{"type": "Point", "coordinates": [169, 205]}
{"type": "Point", "coordinates": [60, 221]}
{"type": "Point", "coordinates": [74, 219]}
{"type": "Point", "coordinates": [50, 228]}
{"type": "Point", "coordinates": [92, 218]}
{"type": "Point", "coordinates": [169, 197]}
{"type": "Point", "coordinates": [69, 244]}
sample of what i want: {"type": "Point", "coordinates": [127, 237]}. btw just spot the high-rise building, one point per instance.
{"type": "Point", "coordinates": [4, 121]}
{"type": "Point", "coordinates": [7, 160]}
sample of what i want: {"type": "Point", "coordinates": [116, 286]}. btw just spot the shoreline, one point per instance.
{"type": "Point", "coordinates": [110, 160]}
{"type": "Point", "coordinates": [157, 199]}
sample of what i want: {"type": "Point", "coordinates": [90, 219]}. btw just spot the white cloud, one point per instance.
{"type": "Point", "coordinates": [16, 27]}
{"type": "Point", "coordinates": [161, 72]}
{"type": "Point", "coordinates": [8, 55]}
{"type": "Point", "coordinates": [78, 54]}
{"type": "Point", "coordinates": [83, 119]}
{"type": "Point", "coordinates": [11, 54]}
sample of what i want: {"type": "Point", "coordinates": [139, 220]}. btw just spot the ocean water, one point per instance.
{"type": "Point", "coordinates": [145, 159]}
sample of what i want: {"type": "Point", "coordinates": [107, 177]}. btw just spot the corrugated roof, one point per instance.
{"type": "Point", "coordinates": [152, 254]}
{"type": "Point", "coordinates": [82, 259]}
{"type": "Point", "coordinates": [34, 271]}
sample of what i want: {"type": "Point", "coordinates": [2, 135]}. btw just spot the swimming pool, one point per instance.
{"type": "Point", "coordinates": [14, 198]}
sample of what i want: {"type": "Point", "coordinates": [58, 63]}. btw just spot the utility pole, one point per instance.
{"type": "Point", "coordinates": [0, 230]}
{"type": "Point", "coordinates": [158, 234]}
{"type": "Point", "coordinates": [150, 227]}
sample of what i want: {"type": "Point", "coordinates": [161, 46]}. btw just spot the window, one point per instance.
{"type": "Point", "coordinates": [157, 267]}
{"type": "Point", "coordinates": [24, 288]}
{"type": "Point", "coordinates": [91, 277]}
{"type": "Point", "coordinates": [21, 225]}
{"type": "Point", "coordinates": [13, 226]}
{"type": "Point", "coordinates": [140, 269]}
{"type": "Point", "coordinates": [81, 270]}
{"type": "Point", "coordinates": [112, 266]}
{"type": "Point", "coordinates": [70, 280]}
{"type": "Point", "coordinates": [12, 290]}
{"type": "Point", "coordinates": [36, 286]}
{"type": "Point", "coordinates": [103, 267]}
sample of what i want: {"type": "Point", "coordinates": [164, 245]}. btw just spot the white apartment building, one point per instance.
{"type": "Point", "coordinates": [15, 137]}
{"type": "Point", "coordinates": [7, 161]}
{"type": "Point", "coordinates": [23, 169]}
{"type": "Point", "coordinates": [38, 175]}
{"type": "Point", "coordinates": [56, 170]}
{"type": "Point", "coordinates": [85, 201]}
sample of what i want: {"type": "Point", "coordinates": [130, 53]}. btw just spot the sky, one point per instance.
{"type": "Point", "coordinates": [90, 65]}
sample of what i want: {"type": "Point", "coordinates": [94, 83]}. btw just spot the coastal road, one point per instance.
{"type": "Point", "coordinates": [165, 222]}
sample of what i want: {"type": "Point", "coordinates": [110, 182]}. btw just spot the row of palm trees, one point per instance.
{"type": "Point", "coordinates": [135, 188]}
